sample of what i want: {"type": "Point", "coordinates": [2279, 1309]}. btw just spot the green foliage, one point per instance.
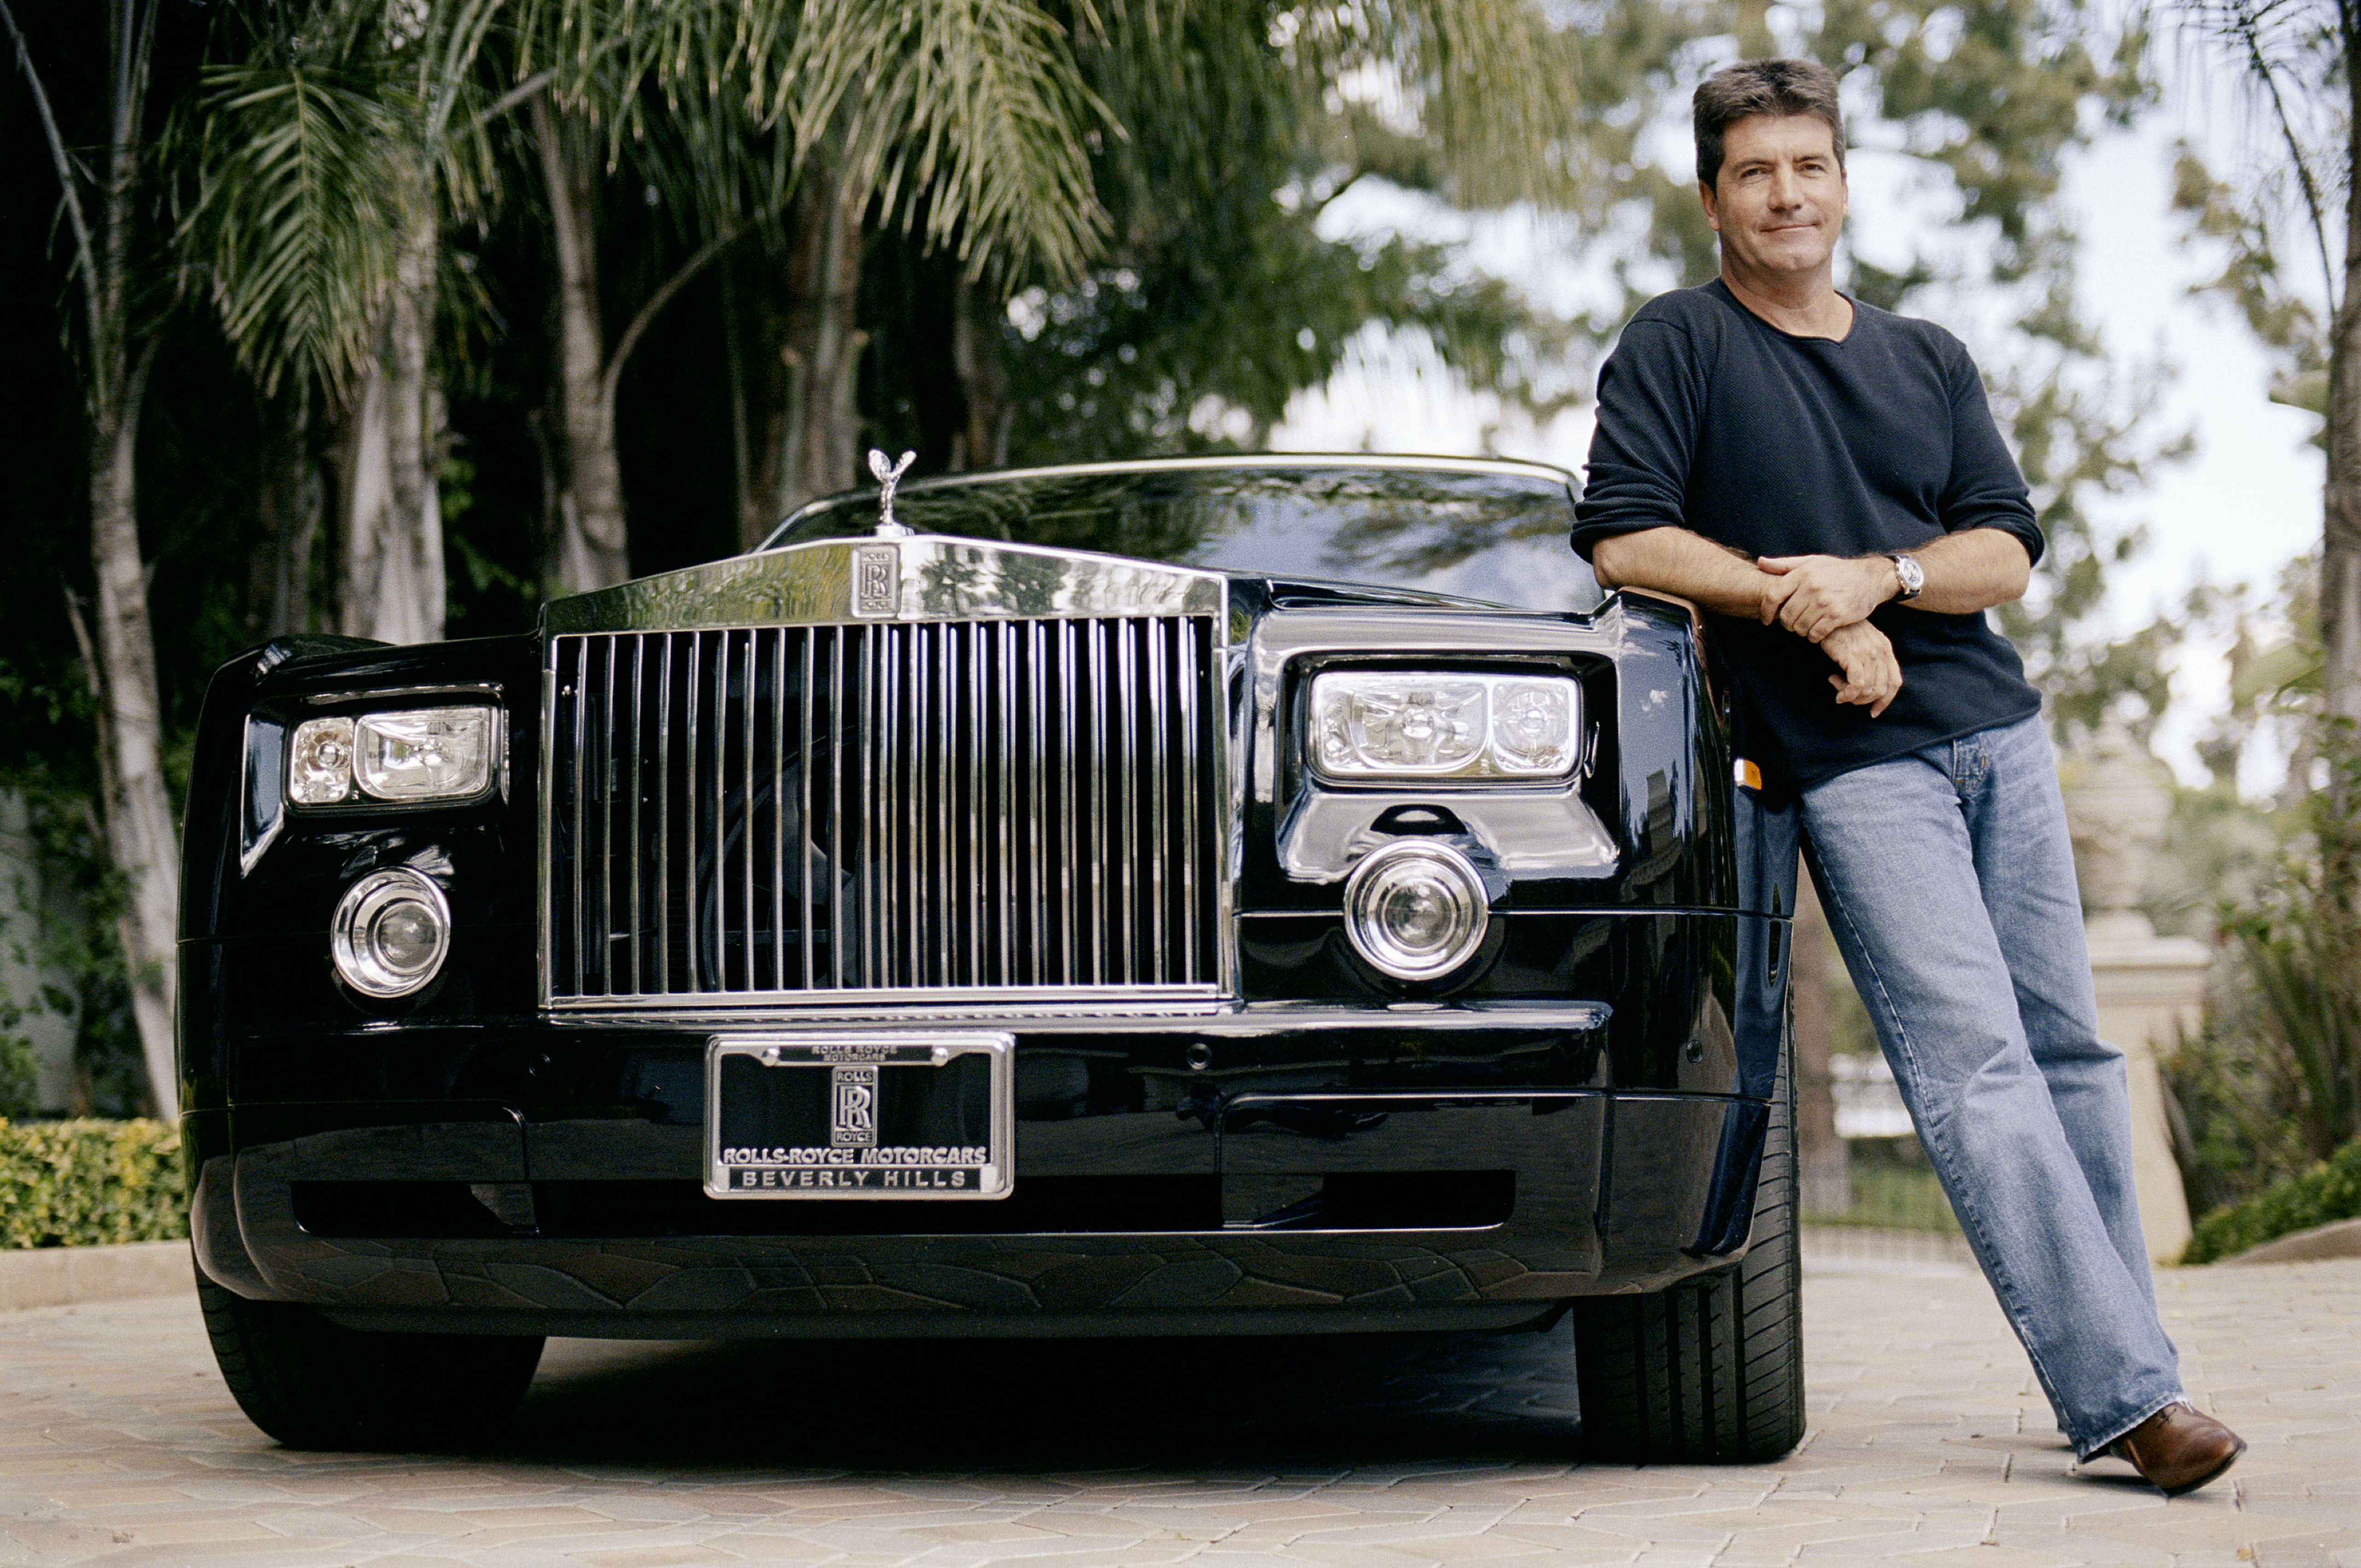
{"type": "Point", "coordinates": [2274, 1082]}
{"type": "Point", "coordinates": [299, 210]}
{"type": "Point", "coordinates": [1219, 297]}
{"type": "Point", "coordinates": [89, 1183]}
{"type": "Point", "coordinates": [309, 163]}
{"type": "Point", "coordinates": [70, 935]}
{"type": "Point", "coordinates": [966, 115]}
{"type": "Point", "coordinates": [2225, 1101]}
{"type": "Point", "coordinates": [1200, 347]}
{"type": "Point", "coordinates": [2252, 276]}
{"type": "Point", "coordinates": [2328, 1191]}
{"type": "Point", "coordinates": [16, 1065]}
{"type": "Point", "coordinates": [2293, 59]}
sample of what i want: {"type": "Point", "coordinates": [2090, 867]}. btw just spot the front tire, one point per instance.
{"type": "Point", "coordinates": [311, 1384]}
{"type": "Point", "coordinates": [1711, 1370]}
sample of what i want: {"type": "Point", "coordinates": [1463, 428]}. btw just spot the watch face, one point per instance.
{"type": "Point", "coordinates": [1913, 576]}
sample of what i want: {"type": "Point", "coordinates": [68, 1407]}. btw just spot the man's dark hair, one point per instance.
{"type": "Point", "coordinates": [1762, 87]}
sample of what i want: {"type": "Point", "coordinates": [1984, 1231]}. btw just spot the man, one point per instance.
{"type": "Point", "coordinates": [1825, 479]}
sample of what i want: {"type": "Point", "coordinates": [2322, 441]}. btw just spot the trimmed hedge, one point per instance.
{"type": "Point", "coordinates": [2329, 1191]}
{"type": "Point", "coordinates": [82, 1183]}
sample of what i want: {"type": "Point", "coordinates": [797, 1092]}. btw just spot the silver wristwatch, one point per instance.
{"type": "Point", "coordinates": [1913, 576]}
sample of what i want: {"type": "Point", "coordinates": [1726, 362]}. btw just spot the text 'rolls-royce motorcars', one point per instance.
{"type": "Point", "coordinates": [1182, 897]}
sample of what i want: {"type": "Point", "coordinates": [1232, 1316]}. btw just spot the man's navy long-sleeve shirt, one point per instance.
{"type": "Point", "coordinates": [1713, 419]}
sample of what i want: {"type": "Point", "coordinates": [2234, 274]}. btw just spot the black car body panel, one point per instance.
{"type": "Point", "coordinates": [1283, 1137]}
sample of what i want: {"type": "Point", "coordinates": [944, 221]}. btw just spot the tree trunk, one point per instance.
{"type": "Point", "coordinates": [983, 442]}
{"type": "Point", "coordinates": [812, 432]}
{"type": "Point", "coordinates": [140, 838]}
{"type": "Point", "coordinates": [392, 584]}
{"type": "Point", "coordinates": [2340, 549]}
{"type": "Point", "coordinates": [2340, 556]}
{"type": "Point", "coordinates": [278, 575]}
{"type": "Point", "coordinates": [589, 547]}
{"type": "Point", "coordinates": [1821, 1165]}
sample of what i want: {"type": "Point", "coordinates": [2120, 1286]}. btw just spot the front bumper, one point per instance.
{"type": "Point", "coordinates": [1275, 1170]}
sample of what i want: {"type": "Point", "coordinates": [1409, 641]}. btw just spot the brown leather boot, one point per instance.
{"type": "Point", "coordinates": [2178, 1449]}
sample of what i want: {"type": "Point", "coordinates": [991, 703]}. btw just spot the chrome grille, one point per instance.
{"type": "Point", "coordinates": [797, 813]}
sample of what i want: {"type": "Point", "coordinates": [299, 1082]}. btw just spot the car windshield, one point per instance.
{"type": "Point", "coordinates": [1491, 532]}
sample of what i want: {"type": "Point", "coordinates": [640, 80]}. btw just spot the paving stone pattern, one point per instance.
{"type": "Point", "coordinates": [1928, 1440]}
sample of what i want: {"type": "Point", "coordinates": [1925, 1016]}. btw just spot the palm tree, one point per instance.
{"type": "Point", "coordinates": [2301, 60]}
{"type": "Point", "coordinates": [328, 161]}
{"type": "Point", "coordinates": [805, 114]}
{"type": "Point", "coordinates": [832, 108]}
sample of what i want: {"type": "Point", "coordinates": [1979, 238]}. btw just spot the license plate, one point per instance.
{"type": "Point", "coordinates": [835, 1116]}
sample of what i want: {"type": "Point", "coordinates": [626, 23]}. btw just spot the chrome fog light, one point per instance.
{"type": "Point", "coordinates": [1415, 909]}
{"type": "Point", "coordinates": [390, 934]}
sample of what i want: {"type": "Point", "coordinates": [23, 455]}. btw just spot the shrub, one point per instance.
{"type": "Point", "coordinates": [2329, 1191]}
{"type": "Point", "coordinates": [16, 1068]}
{"type": "Point", "coordinates": [80, 1183]}
{"type": "Point", "coordinates": [2272, 1086]}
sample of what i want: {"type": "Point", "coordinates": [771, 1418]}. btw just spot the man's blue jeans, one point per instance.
{"type": "Point", "coordinates": [1947, 877]}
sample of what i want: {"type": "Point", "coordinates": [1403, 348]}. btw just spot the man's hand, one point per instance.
{"type": "Point", "coordinates": [1772, 590]}
{"type": "Point", "coordinates": [1872, 675]}
{"type": "Point", "coordinates": [1826, 592]}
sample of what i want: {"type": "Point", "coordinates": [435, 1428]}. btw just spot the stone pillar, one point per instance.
{"type": "Point", "coordinates": [2150, 987]}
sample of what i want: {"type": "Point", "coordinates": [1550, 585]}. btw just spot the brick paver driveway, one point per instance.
{"type": "Point", "coordinates": [118, 1443]}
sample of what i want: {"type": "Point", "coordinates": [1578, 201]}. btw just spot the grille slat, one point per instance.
{"type": "Point", "coordinates": [1190, 770]}
{"type": "Point", "coordinates": [791, 813]}
{"type": "Point", "coordinates": [1038, 749]}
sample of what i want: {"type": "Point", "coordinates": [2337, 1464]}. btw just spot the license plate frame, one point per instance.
{"type": "Point", "coordinates": [785, 1115]}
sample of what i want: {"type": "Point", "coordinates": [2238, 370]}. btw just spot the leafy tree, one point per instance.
{"type": "Point", "coordinates": [327, 163]}
{"type": "Point", "coordinates": [1216, 297]}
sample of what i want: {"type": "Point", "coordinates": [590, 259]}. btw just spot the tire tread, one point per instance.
{"type": "Point", "coordinates": [1711, 1370]}
{"type": "Point", "coordinates": [314, 1385]}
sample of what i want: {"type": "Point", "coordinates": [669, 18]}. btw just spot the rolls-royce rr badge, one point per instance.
{"type": "Point", "coordinates": [853, 1107]}
{"type": "Point", "coordinates": [876, 580]}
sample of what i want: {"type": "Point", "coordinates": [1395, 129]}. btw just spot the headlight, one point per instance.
{"type": "Point", "coordinates": [390, 933]}
{"type": "Point", "coordinates": [1415, 909]}
{"type": "Point", "coordinates": [428, 753]}
{"type": "Point", "coordinates": [1399, 724]}
{"type": "Point", "coordinates": [320, 763]}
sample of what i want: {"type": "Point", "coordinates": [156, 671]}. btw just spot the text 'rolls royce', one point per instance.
{"type": "Point", "coordinates": [1184, 897]}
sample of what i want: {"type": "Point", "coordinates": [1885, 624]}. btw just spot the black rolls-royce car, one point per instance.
{"type": "Point", "coordinates": [1189, 897]}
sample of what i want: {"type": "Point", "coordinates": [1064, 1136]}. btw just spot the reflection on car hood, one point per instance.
{"type": "Point", "coordinates": [1472, 529]}
{"type": "Point", "coordinates": [917, 577]}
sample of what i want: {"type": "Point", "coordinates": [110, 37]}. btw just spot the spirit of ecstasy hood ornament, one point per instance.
{"type": "Point", "coordinates": [889, 474]}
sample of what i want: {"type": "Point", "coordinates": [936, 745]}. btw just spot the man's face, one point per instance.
{"type": "Point", "coordinates": [1779, 201]}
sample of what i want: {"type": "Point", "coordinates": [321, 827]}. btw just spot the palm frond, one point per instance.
{"type": "Point", "coordinates": [308, 174]}
{"type": "Point", "coordinates": [974, 105]}
{"type": "Point", "coordinates": [2289, 52]}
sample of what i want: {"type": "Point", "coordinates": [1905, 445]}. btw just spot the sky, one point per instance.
{"type": "Point", "coordinates": [2244, 504]}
